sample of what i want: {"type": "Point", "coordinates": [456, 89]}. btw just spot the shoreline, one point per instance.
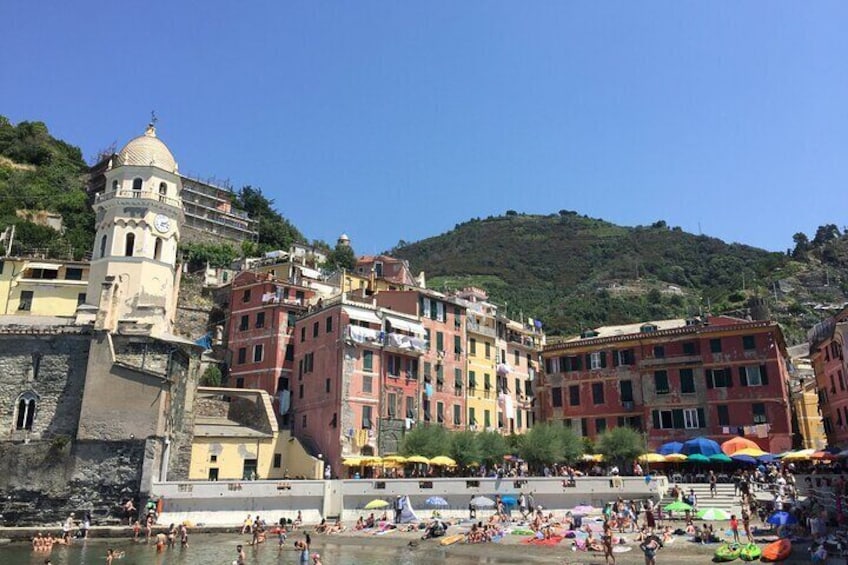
{"type": "Point", "coordinates": [510, 547]}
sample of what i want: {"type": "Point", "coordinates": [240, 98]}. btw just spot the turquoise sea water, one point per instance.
{"type": "Point", "coordinates": [212, 550]}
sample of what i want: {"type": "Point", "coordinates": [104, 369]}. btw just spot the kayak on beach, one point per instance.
{"type": "Point", "coordinates": [750, 552]}
{"type": "Point", "coordinates": [728, 552]}
{"type": "Point", "coordinates": [777, 551]}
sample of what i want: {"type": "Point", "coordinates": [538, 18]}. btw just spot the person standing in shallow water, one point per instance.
{"type": "Point", "coordinates": [241, 558]}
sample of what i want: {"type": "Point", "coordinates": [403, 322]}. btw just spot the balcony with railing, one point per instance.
{"type": "Point", "coordinates": [139, 195]}
{"type": "Point", "coordinates": [480, 329]}
{"type": "Point", "coordinates": [670, 360]}
{"type": "Point", "coordinates": [404, 343]}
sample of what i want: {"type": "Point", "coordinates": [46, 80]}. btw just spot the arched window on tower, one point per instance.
{"type": "Point", "coordinates": [26, 411]}
{"type": "Point", "coordinates": [129, 246]}
{"type": "Point", "coordinates": [163, 191]}
{"type": "Point", "coordinates": [103, 246]}
{"type": "Point", "coordinates": [114, 186]}
{"type": "Point", "coordinates": [157, 249]}
{"type": "Point", "coordinates": [137, 187]}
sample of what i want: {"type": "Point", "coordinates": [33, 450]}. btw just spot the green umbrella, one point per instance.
{"type": "Point", "coordinates": [713, 514]}
{"type": "Point", "coordinates": [678, 507]}
{"type": "Point", "coordinates": [720, 458]}
{"type": "Point", "coordinates": [698, 458]}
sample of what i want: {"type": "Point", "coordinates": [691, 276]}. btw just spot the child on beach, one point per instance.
{"type": "Point", "coordinates": [734, 527]}
{"type": "Point", "coordinates": [136, 530]}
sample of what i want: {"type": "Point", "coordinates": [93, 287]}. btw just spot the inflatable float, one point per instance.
{"type": "Point", "coordinates": [777, 551]}
{"type": "Point", "coordinates": [750, 552]}
{"type": "Point", "coordinates": [728, 552]}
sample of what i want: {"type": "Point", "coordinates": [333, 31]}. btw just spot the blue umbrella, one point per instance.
{"type": "Point", "coordinates": [670, 447]}
{"type": "Point", "coordinates": [702, 446]}
{"type": "Point", "coordinates": [747, 459]}
{"type": "Point", "coordinates": [509, 500]}
{"type": "Point", "coordinates": [782, 519]}
{"type": "Point", "coordinates": [767, 458]}
{"type": "Point", "coordinates": [436, 501]}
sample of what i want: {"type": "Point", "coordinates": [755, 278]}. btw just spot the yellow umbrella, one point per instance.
{"type": "Point", "coordinates": [651, 458]}
{"type": "Point", "coordinates": [418, 459]}
{"type": "Point", "coordinates": [596, 458]}
{"type": "Point", "coordinates": [372, 462]}
{"type": "Point", "coordinates": [394, 459]}
{"type": "Point", "coordinates": [675, 458]}
{"type": "Point", "coordinates": [798, 455]}
{"type": "Point", "coordinates": [751, 452]}
{"type": "Point", "coordinates": [352, 461]}
{"type": "Point", "coordinates": [442, 460]}
{"type": "Point", "coordinates": [376, 503]}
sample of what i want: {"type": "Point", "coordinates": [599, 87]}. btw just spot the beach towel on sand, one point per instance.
{"type": "Point", "coordinates": [553, 540]}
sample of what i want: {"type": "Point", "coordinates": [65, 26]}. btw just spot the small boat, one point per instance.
{"type": "Point", "coordinates": [728, 552]}
{"type": "Point", "coordinates": [450, 540]}
{"type": "Point", "coordinates": [750, 552]}
{"type": "Point", "coordinates": [777, 551]}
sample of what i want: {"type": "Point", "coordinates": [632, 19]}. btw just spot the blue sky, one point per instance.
{"type": "Point", "coordinates": [397, 120]}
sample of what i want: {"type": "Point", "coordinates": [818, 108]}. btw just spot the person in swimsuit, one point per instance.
{"type": "Point", "coordinates": [609, 558]}
{"type": "Point", "coordinates": [650, 547]}
{"type": "Point", "coordinates": [241, 558]}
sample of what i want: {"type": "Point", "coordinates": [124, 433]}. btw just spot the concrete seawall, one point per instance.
{"type": "Point", "coordinates": [227, 503]}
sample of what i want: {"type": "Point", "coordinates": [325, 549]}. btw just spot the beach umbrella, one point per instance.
{"type": "Point", "coordinates": [713, 514]}
{"type": "Point", "coordinates": [418, 459]}
{"type": "Point", "coordinates": [372, 462]}
{"type": "Point", "coordinates": [747, 459]}
{"type": "Point", "coordinates": [700, 445]}
{"type": "Point", "coordinates": [584, 509]}
{"type": "Point", "coordinates": [697, 458]}
{"type": "Point", "coordinates": [720, 458]}
{"type": "Point", "coordinates": [436, 501]}
{"type": "Point", "coordinates": [509, 500]}
{"type": "Point", "coordinates": [651, 458]}
{"type": "Point", "coordinates": [482, 502]}
{"type": "Point", "coordinates": [352, 461]}
{"type": "Point", "coordinates": [443, 461]}
{"type": "Point", "coordinates": [823, 456]}
{"type": "Point", "coordinates": [801, 455]}
{"type": "Point", "coordinates": [678, 506]}
{"type": "Point", "coordinates": [670, 447]}
{"type": "Point", "coordinates": [376, 503]}
{"type": "Point", "coordinates": [767, 458]}
{"type": "Point", "coordinates": [782, 518]}
{"type": "Point", "coordinates": [675, 458]}
{"type": "Point", "coordinates": [731, 446]}
{"type": "Point", "coordinates": [751, 451]}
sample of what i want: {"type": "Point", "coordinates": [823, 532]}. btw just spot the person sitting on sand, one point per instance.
{"type": "Point", "coordinates": [247, 525]}
{"type": "Point", "coordinates": [336, 528]}
{"type": "Point", "coordinates": [360, 524]}
{"type": "Point", "coordinates": [322, 527]}
{"type": "Point", "coordinates": [593, 544]}
{"type": "Point", "coordinates": [369, 522]}
{"type": "Point", "coordinates": [691, 529]}
{"type": "Point", "coordinates": [666, 535]}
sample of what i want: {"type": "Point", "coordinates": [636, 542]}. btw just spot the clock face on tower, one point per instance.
{"type": "Point", "coordinates": [162, 223]}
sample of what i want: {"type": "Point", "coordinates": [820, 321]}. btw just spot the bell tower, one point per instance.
{"type": "Point", "coordinates": [134, 277]}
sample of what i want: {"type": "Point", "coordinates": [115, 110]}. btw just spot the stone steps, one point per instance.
{"type": "Point", "coordinates": [725, 499]}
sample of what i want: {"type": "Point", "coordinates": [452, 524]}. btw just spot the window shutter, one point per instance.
{"type": "Point", "coordinates": [655, 414]}
{"type": "Point", "coordinates": [677, 419]}
{"type": "Point", "coordinates": [576, 366]}
{"type": "Point", "coordinates": [763, 375]}
{"type": "Point", "coordinates": [603, 359]}
{"type": "Point", "coordinates": [728, 374]}
{"type": "Point", "coordinates": [743, 377]}
{"type": "Point", "coordinates": [702, 421]}
{"type": "Point", "coordinates": [588, 361]}
{"type": "Point", "coordinates": [709, 377]}
{"type": "Point", "coordinates": [616, 358]}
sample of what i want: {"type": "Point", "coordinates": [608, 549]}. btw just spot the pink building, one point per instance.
{"type": "Point", "coordinates": [356, 385]}
{"type": "Point", "coordinates": [443, 363]}
{"type": "Point", "coordinates": [262, 318]}
{"type": "Point", "coordinates": [828, 340]}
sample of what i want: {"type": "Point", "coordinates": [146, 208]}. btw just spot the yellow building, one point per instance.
{"type": "Point", "coordinates": [42, 287]}
{"type": "Point", "coordinates": [481, 399]}
{"type": "Point", "coordinates": [804, 397]}
{"type": "Point", "coordinates": [236, 437]}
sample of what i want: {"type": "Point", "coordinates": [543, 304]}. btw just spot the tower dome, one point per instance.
{"type": "Point", "coordinates": [147, 151]}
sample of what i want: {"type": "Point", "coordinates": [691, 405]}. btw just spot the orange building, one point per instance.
{"type": "Point", "coordinates": [827, 346]}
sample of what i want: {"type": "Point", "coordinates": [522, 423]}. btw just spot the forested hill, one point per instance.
{"type": "Point", "coordinates": [575, 272]}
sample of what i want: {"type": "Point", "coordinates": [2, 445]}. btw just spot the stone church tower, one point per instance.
{"type": "Point", "coordinates": [133, 278]}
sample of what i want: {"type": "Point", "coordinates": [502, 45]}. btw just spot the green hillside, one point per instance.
{"type": "Point", "coordinates": [575, 272]}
